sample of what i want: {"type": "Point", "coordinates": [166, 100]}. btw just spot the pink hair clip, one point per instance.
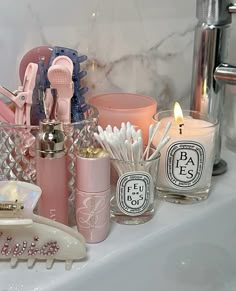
{"type": "Point", "coordinates": [23, 97]}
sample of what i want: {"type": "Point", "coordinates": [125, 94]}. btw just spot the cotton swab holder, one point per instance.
{"type": "Point", "coordinates": [134, 168]}
{"type": "Point", "coordinates": [133, 185]}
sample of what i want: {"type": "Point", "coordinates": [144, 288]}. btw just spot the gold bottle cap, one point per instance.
{"type": "Point", "coordinates": [92, 152]}
{"type": "Point", "coordinates": [51, 139]}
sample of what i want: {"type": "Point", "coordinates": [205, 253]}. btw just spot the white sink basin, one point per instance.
{"type": "Point", "coordinates": [183, 248]}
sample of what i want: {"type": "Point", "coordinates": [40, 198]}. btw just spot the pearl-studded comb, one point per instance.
{"type": "Point", "coordinates": [27, 236]}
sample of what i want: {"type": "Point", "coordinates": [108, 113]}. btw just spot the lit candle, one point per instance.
{"type": "Point", "coordinates": [187, 159]}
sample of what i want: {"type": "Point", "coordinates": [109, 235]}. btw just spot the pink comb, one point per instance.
{"type": "Point", "coordinates": [60, 77]}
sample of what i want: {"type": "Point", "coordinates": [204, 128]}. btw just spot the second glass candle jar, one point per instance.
{"type": "Point", "coordinates": [133, 189]}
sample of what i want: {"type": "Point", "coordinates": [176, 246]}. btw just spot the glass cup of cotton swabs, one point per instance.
{"type": "Point", "coordinates": [134, 170]}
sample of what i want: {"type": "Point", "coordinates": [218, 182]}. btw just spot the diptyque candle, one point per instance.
{"type": "Point", "coordinates": [187, 159]}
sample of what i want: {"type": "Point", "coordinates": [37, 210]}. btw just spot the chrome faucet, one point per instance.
{"type": "Point", "coordinates": [210, 73]}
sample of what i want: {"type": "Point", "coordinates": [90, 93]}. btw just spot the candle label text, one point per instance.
{"type": "Point", "coordinates": [134, 192]}
{"type": "Point", "coordinates": [184, 163]}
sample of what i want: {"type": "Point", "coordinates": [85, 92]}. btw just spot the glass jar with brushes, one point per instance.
{"type": "Point", "coordinates": [134, 168]}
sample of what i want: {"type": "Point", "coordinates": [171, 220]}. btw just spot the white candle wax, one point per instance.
{"type": "Point", "coordinates": [187, 159]}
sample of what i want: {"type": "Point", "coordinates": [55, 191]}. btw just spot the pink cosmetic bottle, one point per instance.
{"type": "Point", "coordinates": [51, 169]}
{"type": "Point", "coordinates": [93, 196]}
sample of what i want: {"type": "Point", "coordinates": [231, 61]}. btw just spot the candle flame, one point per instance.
{"type": "Point", "coordinates": [178, 113]}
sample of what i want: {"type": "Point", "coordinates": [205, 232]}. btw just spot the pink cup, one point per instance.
{"type": "Point", "coordinates": [115, 108]}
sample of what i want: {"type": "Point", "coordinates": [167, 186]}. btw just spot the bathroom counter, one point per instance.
{"type": "Point", "coordinates": [110, 263]}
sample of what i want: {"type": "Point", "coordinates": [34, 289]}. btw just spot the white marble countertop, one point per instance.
{"type": "Point", "coordinates": [123, 241]}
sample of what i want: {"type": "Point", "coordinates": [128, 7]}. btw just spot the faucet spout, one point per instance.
{"type": "Point", "coordinates": [225, 74]}
{"type": "Point", "coordinates": [210, 73]}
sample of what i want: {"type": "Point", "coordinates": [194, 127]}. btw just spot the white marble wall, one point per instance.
{"type": "Point", "coordinates": [142, 46]}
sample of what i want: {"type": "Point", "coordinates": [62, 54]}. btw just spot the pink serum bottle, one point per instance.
{"type": "Point", "coordinates": [93, 194]}
{"type": "Point", "coordinates": [51, 169]}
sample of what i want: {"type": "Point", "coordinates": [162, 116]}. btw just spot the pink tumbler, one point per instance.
{"type": "Point", "coordinates": [115, 108]}
{"type": "Point", "coordinates": [93, 197]}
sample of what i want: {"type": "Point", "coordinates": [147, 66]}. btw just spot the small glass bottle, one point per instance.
{"type": "Point", "coordinates": [133, 188]}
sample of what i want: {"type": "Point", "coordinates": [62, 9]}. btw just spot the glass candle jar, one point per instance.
{"type": "Point", "coordinates": [187, 159]}
{"type": "Point", "coordinates": [133, 190]}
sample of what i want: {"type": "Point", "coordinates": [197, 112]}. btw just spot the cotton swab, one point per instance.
{"type": "Point", "coordinates": [109, 128]}
{"type": "Point", "coordinates": [152, 132]}
{"type": "Point", "coordinates": [100, 129]}
{"type": "Point", "coordinates": [159, 147]}
{"type": "Point", "coordinates": [127, 146]}
{"type": "Point", "coordinates": [126, 143]}
{"type": "Point", "coordinates": [99, 140]}
{"type": "Point", "coordinates": [140, 141]}
{"type": "Point", "coordinates": [135, 149]}
{"type": "Point", "coordinates": [168, 125]}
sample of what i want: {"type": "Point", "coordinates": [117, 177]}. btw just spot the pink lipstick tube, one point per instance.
{"type": "Point", "coordinates": [93, 197]}
{"type": "Point", "coordinates": [51, 169]}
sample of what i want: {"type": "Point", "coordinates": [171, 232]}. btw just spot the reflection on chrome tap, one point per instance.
{"type": "Point", "coordinates": [209, 72]}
